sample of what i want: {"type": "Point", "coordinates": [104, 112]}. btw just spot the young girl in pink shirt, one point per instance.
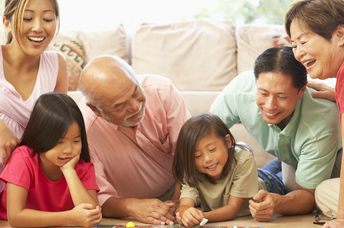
{"type": "Point", "coordinates": [27, 70]}
{"type": "Point", "coordinates": [50, 180]}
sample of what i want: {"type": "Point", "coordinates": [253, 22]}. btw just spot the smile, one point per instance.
{"type": "Point", "coordinates": [212, 167]}
{"type": "Point", "coordinates": [36, 39]}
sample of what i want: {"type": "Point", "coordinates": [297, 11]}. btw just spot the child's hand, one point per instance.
{"type": "Point", "coordinates": [84, 215]}
{"type": "Point", "coordinates": [71, 163]}
{"type": "Point", "coordinates": [190, 217]}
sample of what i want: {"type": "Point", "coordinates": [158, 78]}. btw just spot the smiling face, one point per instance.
{"type": "Point", "coordinates": [67, 148]}
{"type": "Point", "coordinates": [321, 57]}
{"type": "Point", "coordinates": [211, 155]}
{"type": "Point", "coordinates": [276, 97]}
{"type": "Point", "coordinates": [38, 27]}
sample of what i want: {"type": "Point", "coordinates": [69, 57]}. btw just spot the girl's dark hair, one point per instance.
{"type": "Point", "coordinates": [320, 16]}
{"type": "Point", "coordinates": [50, 120]}
{"type": "Point", "coordinates": [193, 130]}
{"type": "Point", "coordinates": [281, 59]}
{"type": "Point", "coordinates": [14, 12]}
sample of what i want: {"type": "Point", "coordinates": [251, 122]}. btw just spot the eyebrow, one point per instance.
{"type": "Point", "coordinates": [115, 105]}
{"type": "Point", "coordinates": [44, 11]}
{"type": "Point", "coordinates": [269, 91]}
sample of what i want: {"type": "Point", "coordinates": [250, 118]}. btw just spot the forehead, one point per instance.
{"type": "Point", "coordinates": [275, 82]}
{"type": "Point", "coordinates": [40, 5]}
{"type": "Point", "coordinates": [297, 29]}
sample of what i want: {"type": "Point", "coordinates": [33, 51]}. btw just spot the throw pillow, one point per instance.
{"type": "Point", "coordinates": [75, 57]}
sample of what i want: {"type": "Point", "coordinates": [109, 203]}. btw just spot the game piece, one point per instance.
{"type": "Point", "coordinates": [203, 222]}
{"type": "Point", "coordinates": [130, 225]}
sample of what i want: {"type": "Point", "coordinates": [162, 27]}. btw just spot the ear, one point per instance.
{"type": "Point", "coordinates": [94, 109]}
{"type": "Point", "coordinates": [301, 92]}
{"type": "Point", "coordinates": [338, 35]}
{"type": "Point", "coordinates": [7, 24]}
{"type": "Point", "coordinates": [228, 140]}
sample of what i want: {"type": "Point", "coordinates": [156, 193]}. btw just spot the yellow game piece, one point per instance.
{"type": "Point", "coordinates": [130, 225]}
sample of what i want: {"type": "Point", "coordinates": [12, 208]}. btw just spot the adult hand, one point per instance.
{"type": "Point", "coordinates": [323, 91]}
{"type": "Point", "coordinates": [7, 142]}
{"type": "Point", "coordinates": [84, 215]}
{"type": "Point", "coordinates": [334, 224]}
{"type": "Point", "coordinates": [262, 206]}
{"type": "Point", "coordinates": [190, 217]}
{"type": "Point", "coordinates": [153, 211]}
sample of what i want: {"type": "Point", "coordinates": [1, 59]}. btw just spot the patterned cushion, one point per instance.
{"type": "Point", "coordinates": [75, 58]}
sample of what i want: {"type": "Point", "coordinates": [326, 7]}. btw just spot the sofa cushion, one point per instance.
{"type": "Point", "coordinates": [72, 49]}
{"type": "Point", "coordinates": [253, 39]}
{"type": "Point", "coordinates": [196, 55]}
{"type": "Point", "coordinates": [105, 42]}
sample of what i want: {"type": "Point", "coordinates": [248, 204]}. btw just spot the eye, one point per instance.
{"type": "Point", "coordinates": [198, 155]}
{"type": "Point", "coordinates": [212, 149]}
{"type": "Point", "coordinates": [282, 97]}
{"type": "Point", "coordinates": [48, 20]}
{"type": "Point", "coordinates": [27, 19]}
{"type": "Point", "coordinates": [77, 140]}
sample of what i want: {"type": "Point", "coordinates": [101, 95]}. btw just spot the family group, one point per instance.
{"type": "Point", "coordinates": [130, 147]}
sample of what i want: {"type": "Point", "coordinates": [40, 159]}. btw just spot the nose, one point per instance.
{"type": "Point", "coordinates": [37, 25]}
{"type": "Point", "coordinates": [134, 105]}
{"type": "Point", "coordinates": [68, 148]}
{"type": "Point", "coordinates": [298, 53]}
{"type": "Point", "coordinates": [271, 103]}
{"type": "Point", "coordinates": [208, 158]}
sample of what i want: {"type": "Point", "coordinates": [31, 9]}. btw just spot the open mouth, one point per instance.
{"type": "Point", "coordinates": [309, 64]}
{"type": "Point", "coordinates": [36, 39]}
{"type": "Point", "coordinates": [212, 167]}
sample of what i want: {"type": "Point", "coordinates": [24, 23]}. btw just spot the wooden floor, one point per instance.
{"type": "Point", "coordinates": [302, 221]}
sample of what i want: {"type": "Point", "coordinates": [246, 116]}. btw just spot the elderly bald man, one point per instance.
{"type": "Point", "coordinates": [132, 123]}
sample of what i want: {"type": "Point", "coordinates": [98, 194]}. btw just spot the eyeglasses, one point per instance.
{"type": "Point", "coordinates": [320, 218]}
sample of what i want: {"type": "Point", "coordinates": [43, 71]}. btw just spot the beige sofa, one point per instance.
{"type": "Point", "coordinates": [199, 57]}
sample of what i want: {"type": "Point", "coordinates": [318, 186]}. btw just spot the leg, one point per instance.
{"type": "Point", "coordinates": [326, 197]}
{"type": "Point", "coordinates": [272, 181]}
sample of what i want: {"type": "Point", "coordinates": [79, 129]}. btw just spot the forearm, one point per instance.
{"type": "Point", "coordinates": [294, 203]}
{"type": "Point", "coordinates": [221, 214]}
{"type": "Point", "coordinates": [34, 218]}
{"type": "Point", "coordinates": [118, 207]}
{"type": "Point", "coordinates": [340, 212]}
{"type": "Point", "coordinates": [77, 190]}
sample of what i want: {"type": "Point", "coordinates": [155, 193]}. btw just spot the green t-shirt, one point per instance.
{"type": "Point", "coordinates": [241, 181]}
{"type": "Point", "coordinates": [310, 140]}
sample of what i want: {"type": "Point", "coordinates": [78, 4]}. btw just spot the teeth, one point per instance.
{"type": "Point", "coordinates": [270, 114]}
{"type": "Point", "coordinates": [37, 39]}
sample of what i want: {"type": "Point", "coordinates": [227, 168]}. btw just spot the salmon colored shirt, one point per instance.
{"type": "Point", "coordinates": [137, 162]}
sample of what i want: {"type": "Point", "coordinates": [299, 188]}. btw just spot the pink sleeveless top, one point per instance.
{"type": "Point", "coordinates": [14, 111]}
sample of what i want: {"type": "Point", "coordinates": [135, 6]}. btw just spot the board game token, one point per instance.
{"type": "Point", "coordinates": [130, 225]}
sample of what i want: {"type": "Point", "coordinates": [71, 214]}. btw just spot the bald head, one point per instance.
{"type": "Point", "coordinates": [102, 75]}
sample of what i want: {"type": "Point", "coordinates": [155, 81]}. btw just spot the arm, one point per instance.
{"type": "Point", "coordinates": [19, 216]}
{"type": "Point", "coordinates": [152, 211]}
{"type": "Point", "coordinates": [77, 190]}
{"type": "Point", "coordinates": [264, 204]}
{"type": "Point", "coordinates": [7, 142]}
{"type": "Point", "coordinates": [62, 81]}
{"type": "Point", "coordinates": [187, 214]}
{"type": "Point", "coordinates": [323, 91]}
{"type": "Point", "coordinates": [340, 212]}
{"type": "Point", "coordinates": [230, 211]}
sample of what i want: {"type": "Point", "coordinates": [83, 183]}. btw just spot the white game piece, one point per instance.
{"type": "Point", "coordinates": [203, 222]}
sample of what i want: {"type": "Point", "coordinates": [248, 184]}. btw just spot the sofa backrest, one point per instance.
{"type": "Point", "coordinates": [200, 55]}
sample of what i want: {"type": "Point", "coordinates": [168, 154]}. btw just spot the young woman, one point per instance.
{"type": "Point", "coordinates": [49, 178]}
{"type": "Point", "coordinates": [27, 70]}
{"type": "Point", "coordinates": [212, 170]}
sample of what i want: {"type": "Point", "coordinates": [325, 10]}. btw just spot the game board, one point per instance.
{"type": "Point", "coordinates": [174, 226]}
